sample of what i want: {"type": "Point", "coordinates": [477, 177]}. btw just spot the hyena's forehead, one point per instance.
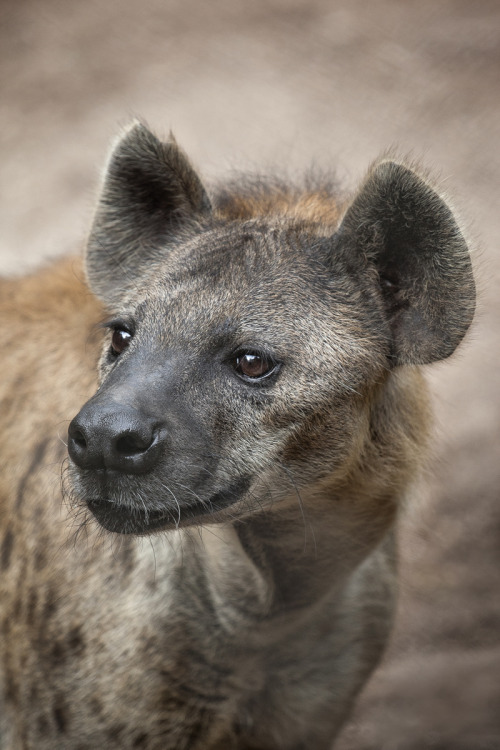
{"type": "Point", "coordinates": [204, 314]}
{"type": "Point", "coordinates": [232, 259]}
{"type": "Point", "coordinates": [257, 282]}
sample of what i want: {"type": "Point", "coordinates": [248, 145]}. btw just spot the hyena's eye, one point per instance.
{"type": "Point", "coordinates": [120, 339]}
{"type": "Point", "coordinates": [254, 366]}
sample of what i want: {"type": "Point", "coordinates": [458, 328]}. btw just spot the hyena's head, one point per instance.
{"type": "Point", "coordinates": [244, 354]}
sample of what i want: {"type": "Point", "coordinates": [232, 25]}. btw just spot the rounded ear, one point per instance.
{"type": "Point", "coordinates": [150, 194]}
{"type": "Point", "coordinates": [402, 226]}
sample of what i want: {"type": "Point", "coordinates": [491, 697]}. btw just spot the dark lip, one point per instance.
{"type": "Point", "coordinates": [121, 519]}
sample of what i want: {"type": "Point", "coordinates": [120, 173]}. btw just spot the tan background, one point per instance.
{"type": "Point", "coordinates": [256, 83]}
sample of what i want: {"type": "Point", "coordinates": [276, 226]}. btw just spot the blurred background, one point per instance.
{"type": "Point", "coordinates": [257, 83]}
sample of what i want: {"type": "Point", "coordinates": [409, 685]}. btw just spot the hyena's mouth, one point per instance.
{"type": "Point", "coordinates": [138, 519]}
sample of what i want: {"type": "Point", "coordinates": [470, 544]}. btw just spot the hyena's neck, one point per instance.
{"type": "Point", "coordinates": [282, 560]}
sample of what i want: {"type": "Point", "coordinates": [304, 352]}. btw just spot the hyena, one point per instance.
{"type": "Point", "coordinates": [222, 573]}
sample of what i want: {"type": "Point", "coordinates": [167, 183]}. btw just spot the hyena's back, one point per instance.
{"type": "Point", "coordinates": [47, 318]}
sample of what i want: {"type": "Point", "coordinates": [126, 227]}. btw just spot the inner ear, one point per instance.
{"type": "Point", "coordinates": [400, 224]}
{"type": "Point", "coordinates": [150, 195]}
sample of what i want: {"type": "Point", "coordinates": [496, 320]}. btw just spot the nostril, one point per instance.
{"type": "Point", "coordinates": [79, 438]}
{"type": "Point", "coordinates": [133, 444]}
{"type": "Point", "coordinates": [79, 444]}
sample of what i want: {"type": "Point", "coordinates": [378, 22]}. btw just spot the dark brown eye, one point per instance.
{"type": "Point", "coordinates": [254, 366]}
{"type": "Point", "coordinates": [120, 340]}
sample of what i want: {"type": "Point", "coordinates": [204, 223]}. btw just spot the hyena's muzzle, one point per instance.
{"type": "Point", "coordinates": [116, 437]}
{"type": "Point", "coordinates": [142, 460]}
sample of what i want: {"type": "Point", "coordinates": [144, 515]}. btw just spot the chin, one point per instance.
{"type": "Point", "coordinates": [122, 505]}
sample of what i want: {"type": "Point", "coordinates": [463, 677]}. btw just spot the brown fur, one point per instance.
{"type": "Point", "coordinates": [255, 625]}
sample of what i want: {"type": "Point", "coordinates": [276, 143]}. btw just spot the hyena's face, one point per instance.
{"type": "Point", "coordinates": [239, 348]}
{"type": "Point", "coordinates": [242, 356]}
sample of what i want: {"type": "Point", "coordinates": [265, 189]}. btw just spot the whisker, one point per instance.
{"type": "Point", "coordinates": [290, 478]}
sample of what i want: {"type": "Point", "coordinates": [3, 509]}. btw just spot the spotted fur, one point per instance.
{"type": "Point", "coordinates": [244, 589]}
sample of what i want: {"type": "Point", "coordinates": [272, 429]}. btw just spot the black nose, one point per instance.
{"type": "Point", "coordinates": [114, 436]}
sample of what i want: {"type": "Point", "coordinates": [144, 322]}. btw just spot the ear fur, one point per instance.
{"type": "Point", "coordinates": [149, 196]}
{"type": "Point", "coordinates": [406, 230]}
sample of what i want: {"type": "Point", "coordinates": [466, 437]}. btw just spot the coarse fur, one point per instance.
{"type": "Point", "coordinates": [243, 590]}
